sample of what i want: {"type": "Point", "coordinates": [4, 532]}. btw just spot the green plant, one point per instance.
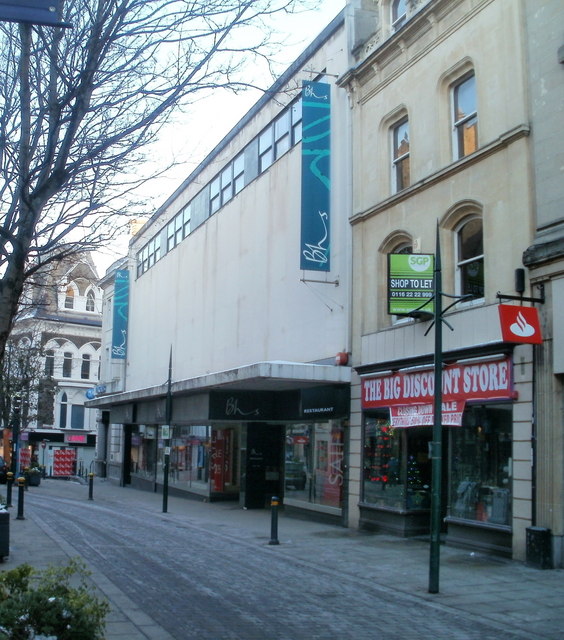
{"type": "Point", "coordinates": [45, 602]}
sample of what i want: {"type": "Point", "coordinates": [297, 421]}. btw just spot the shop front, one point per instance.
{"type": "Point", "coordinates": [477, 418]}
{"type": "Point", "coordinates": [284, 439]}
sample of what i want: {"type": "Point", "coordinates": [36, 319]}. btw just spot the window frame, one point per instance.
{"type": "Point", "coordinates": [67, 364]}
{"type": "Point", "coordinates": [398, 161]}
{"type": "Point", "coordinates": [397, 20]}
{"type": "Point", "coordinates": [459, 124]}
{"type": "Point", "coordinates": [460, 263]}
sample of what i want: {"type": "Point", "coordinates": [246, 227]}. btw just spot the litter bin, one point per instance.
{"type": "Point", "coordinates": [4, 534]}
{"type": "Point", "coordinates": [539, 548]}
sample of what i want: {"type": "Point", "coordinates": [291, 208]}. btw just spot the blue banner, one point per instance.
{"type": "Point", "coordinates": [121, 314]}
{"type": "Point", "coordinates": [316, 177]}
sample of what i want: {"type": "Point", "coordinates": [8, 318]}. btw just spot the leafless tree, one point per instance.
{"type": "Point", "coordinates": [79, 106]}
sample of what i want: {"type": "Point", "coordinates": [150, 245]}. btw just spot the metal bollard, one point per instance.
{"type": "Point", "coordinates": [274, 502]}
{"type": "Point", "coordinates": [9, 483]}
{"type": "Point", "coordinates": [90, 486]}
{"type": "Point", "coordinates": [21, 489]}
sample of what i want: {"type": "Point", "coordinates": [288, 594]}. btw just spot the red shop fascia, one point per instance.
{"type": "Point", "coordinates": [409, 393]}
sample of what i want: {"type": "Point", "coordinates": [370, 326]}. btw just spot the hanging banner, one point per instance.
{"type": "Point", "coordinates": [410, 283]}
{"type": "Point", "coordinates": [121, 314]}
{"type": "Point", "coordinates": [461, 382]}
{"type": "Point", "coordinates": [520, 324]}
{"type": "Point", "coordinates": [316, 178]}
{"type": "Point", "coordinates": [419, 415]}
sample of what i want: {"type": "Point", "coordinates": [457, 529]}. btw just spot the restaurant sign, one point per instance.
{"type": "Point", "coordinates": [410, 394]}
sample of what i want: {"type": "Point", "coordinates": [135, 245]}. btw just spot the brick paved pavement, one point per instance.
{"type": "Point", "coordinates": [507, 595]}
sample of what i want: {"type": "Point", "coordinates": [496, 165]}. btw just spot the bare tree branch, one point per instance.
{"type": "Point", "coordinates": [79, 106]}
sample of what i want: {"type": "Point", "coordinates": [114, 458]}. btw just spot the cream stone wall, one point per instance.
{"type": "Point", "coordinates": [411, 74]}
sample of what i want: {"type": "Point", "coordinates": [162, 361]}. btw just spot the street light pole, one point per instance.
{"type": "Point", "coordinates": [437, 444]}
{"type": "Point", "coordinates": [166, 434]}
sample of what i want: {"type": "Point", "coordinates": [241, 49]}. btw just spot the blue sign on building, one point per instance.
{"type": "Point", "coordinates": [121, 314]}
{"type": "Point", "coordinates": [316, 177]}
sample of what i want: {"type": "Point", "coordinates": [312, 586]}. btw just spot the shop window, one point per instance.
{"type": "Point", "coordinates": [465, 117]}
{"type": "Point", "coordinates": [396, 465]}
{"type": "Point", "coordinates": [481, 465]}
{"type": "Point", "coordinates": [398, 14]}
{"type": "Point", "coordinates": [313, 465]}
{"type": "Point", "coordinates": [400, 156]}
{"type": "Point", "coordinates": [470, 258]}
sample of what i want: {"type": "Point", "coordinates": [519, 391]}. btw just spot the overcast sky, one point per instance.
{"type": "Point", "coordinates": [210, 120]}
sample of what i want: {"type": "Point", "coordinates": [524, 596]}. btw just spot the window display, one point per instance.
{"type": "Point", "coordinates": [481, 465]}
{"type": "Point", "coordinates": [397, 468]}
{"type": "Point", "coordinates": [313, 467]}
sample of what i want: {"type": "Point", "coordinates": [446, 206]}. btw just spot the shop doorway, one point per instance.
{"type": "Point", "coordinates": [263, 464]}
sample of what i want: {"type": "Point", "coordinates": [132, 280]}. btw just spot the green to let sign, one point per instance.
{"type": "Point", "coordinates": [410, 284]}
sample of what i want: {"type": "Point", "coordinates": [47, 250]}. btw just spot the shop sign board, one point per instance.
{"type": "Point", "coordinates": [462, 382]}
{"type": "Point", "coordinates": [520, 324]}
{"type": "Point", "coordinates": [410, 283]}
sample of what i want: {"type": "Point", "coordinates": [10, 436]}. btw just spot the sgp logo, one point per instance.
{"type": "Point", "coordinates": [419, 262]}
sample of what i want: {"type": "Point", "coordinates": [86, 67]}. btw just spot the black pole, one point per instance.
{"type": "Point", "coordinates": [436, 444]}
{"type": "Point", "coordinates": [168, 420]}
{"type": "Point", "coordinates": [21, 489]}
{"type": "Point", "coordinates": [90, 486]}
{"type": "Point", "coordinates": [274, 520]}
{"type": "Point", "coordinates": [9, 483]}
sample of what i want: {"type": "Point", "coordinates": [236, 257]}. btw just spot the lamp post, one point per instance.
{"type": "Point", "coordinates": [166, 433]}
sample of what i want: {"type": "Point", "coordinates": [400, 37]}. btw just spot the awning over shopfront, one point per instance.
{"type": "Point", "coordinates": [260, 391]}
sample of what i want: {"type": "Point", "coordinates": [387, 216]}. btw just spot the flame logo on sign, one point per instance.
{"type": "Point", "coordinates": [521, 327]}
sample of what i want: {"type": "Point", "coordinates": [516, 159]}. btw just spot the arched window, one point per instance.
{"type": "Point", "coordinates": [49, 363]}
{"type": "Point", "coordinates": [90, 301]}
{"type": "Point", "coordinates": [69, 298]}
{"type": "Point", "coordinates": [63, 414]}
{"type": "Point", "coordinates": [67, 364]}
{"type": "Point", "coordinates": [85, 367]}
{"type": "Point", "coordinates": [399, 14]}
{"type": "Point", "coordinates": [400, 156]}
{"type": "Point", "coordinates": [470, 257]}
{"type": "Point", "coordinates": [465, 116]}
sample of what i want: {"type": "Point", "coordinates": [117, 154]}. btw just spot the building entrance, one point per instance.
{"type": "Point", "coordinates": [263, 464]}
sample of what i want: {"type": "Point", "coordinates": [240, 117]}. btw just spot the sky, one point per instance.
{"type": "Point", "coordinates": [211, 119]}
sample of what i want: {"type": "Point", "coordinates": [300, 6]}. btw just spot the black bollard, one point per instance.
{"type": "Point", "coordinates": [9, 483]}
{"type": "Point", "coordinates": [21, 489]}
{"type": "Point", "coordinates": [90, 486]}
{"type": "Point", "coordinates": [274, 521]}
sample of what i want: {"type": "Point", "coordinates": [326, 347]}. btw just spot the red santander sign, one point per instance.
{"type": "Point", "coordinates": [520, 324]}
